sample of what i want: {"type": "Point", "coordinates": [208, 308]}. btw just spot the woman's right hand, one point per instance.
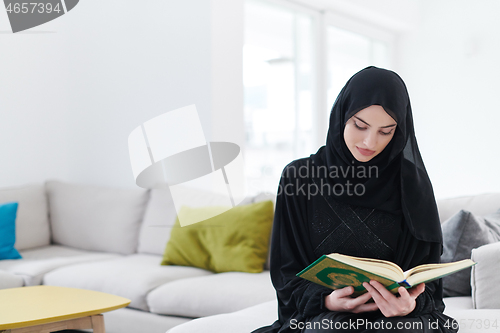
{"type": "Point", "coordinates": [340, 300]}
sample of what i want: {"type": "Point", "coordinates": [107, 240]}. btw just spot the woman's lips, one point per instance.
{"type": "Point", "coordinates": [365, 152]}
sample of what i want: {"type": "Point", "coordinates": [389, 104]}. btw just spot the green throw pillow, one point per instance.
{"type": "Point", "coordinates": [236, 240]}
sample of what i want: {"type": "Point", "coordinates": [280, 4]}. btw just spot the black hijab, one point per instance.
{"type": "Point", "coordinates": [401, 184]}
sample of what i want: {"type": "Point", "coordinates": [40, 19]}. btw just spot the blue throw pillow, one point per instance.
{"type": "Point", "coordinates": [8, 213]}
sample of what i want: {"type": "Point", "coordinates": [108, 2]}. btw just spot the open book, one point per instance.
{"type": "Point", "coordinates": [337, 271]}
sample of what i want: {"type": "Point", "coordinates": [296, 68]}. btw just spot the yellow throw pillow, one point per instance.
{"type": "Point", "coordinates": [236, 240]}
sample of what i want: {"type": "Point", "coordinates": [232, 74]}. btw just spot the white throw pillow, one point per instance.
{"type": "Point", "coordinates": [96, 218]}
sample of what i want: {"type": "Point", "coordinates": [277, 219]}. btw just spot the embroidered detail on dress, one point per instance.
{"type": "Point", "coordinates": [352, 230]}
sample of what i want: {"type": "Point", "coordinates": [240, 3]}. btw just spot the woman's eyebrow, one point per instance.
{"type": "Point", "coordinates": [369, 124]}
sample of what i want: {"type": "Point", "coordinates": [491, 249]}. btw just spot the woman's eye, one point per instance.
{"type": "Point", "coordinates": [359, 127]}
{"type": "Point", "coordinates": [384, 133]}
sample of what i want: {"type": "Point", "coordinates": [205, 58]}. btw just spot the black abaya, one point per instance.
{"type": "Point", "coordinates": [295, 244]}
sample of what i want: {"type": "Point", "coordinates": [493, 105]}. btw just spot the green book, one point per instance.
{"type": "Point", "coordinates": [337, 271]}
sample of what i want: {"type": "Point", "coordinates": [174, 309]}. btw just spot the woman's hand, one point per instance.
{"type": "Point", "coordinates": [391, 305]}
{"type": "Point", "coordinates": [340, 300]}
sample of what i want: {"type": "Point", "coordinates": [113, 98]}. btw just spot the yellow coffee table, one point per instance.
{"type": "Point", "coordinates": [47, 309]}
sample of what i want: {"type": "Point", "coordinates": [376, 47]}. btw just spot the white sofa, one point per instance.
{"type": "Point", "coordinates": [481, 317]}
{"type": "Point", "coordinates": [112, 240]}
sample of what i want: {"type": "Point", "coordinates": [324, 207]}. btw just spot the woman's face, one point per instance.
{"type": "Point", "coordinates": [368, 132]}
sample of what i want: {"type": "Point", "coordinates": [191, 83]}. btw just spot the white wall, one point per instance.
{"type": "Point", "coordinates": [73, 89]}
{"type": "Point", "coordinates": [450, 65]}
{"type": "Point", "coordinates": [33, 106]}
{"type": "Point", "coordinates": [227, 18]}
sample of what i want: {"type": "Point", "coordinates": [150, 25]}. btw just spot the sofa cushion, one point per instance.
{"type": "Point", "coordinates": [37, 262]}
{"type": "Point", "coordinates": [225, 292]}
{"type": "Point", "coordinates": [8, 231]}
{"type": "Point", "coordinates": [471, 320]}
{"type": "Point", "coordinates": [128, 320]}
{"type": "Point", "coordinates": [485, 280]}
{"type": "Point", "coordinates": [9, 280]}
{"type": "Point", "coordinates": [96, 218]}
{"type": "Point", "coordinates": [158, 221]}
{"type": "Point", "coordinates": [32, 222]}
{"type": "Point", "coordinates": [461, 233]}
{"type": "Point", "coordinates": [480, 205]}
{"type": "Point", "coordinates": [236, 240]}
{"type": "Point", "coordinates": [132, 276]}
{"type": "Point", "coordinates": [243, 321]}
{"type": "Point", "coordinates": [458, 303]}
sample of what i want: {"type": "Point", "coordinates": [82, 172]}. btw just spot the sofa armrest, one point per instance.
{"type": "Point", "coordinates": [485, 280]}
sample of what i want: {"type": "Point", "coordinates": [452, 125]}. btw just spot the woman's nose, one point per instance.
{"type": "Point", "coordinates": [370, 141]}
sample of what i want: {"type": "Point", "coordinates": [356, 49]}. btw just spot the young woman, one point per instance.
{"type": "Point", "coordinates": [366, 193]}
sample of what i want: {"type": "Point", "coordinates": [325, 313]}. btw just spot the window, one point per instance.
{"type": "Point", "coordinates": [295, 61]}
{"type": "Point", "coordinates": [347, 53]}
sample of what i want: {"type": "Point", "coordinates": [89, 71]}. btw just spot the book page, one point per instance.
{"type": "Point", "coordinates": [382, 268]}
{"type": "Point", "coordinates": [429, 272]}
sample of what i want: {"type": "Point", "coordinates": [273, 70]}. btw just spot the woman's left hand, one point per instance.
{"type": "Point", "coordinates": [391, 305]}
